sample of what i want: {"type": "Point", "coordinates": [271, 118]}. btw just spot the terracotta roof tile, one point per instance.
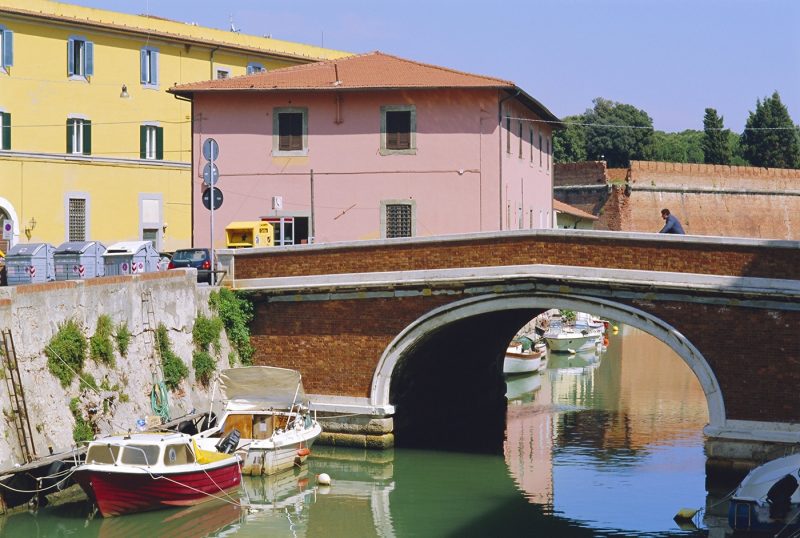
{"type": "Point", "coordinates": [374, 70]}
{"type": "Point", "coordinates": [561, 207]}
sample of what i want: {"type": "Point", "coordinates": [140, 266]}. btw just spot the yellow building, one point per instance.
{"type": "Point", "coordinates": [91, 145]}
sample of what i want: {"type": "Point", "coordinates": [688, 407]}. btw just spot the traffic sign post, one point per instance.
{"type": "Point", "coordinates": [210, 178]}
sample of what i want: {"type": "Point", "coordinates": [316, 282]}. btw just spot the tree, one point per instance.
{"type": "Point", "coordinates": [770, 137]}
{"type": "Point", "coordinates": [683, 147]}
{"type": "Point", "coordinates": [569, 144]}
{"type": "Point", "coordinates": [715, 139]}
{"type": "Point", "coordinates": [617, 133]}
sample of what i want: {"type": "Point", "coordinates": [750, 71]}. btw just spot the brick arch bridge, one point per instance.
{"type": "Point", "coordinates": [346, 314]}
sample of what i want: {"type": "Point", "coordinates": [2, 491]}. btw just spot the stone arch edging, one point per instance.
{"type": "Point", "coordinates": [484, 304]}
{"type": "Point", "coordinates": [8, 207]}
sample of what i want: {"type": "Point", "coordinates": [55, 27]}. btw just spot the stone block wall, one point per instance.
{"type": "Point", "coordinates": [582, 173]}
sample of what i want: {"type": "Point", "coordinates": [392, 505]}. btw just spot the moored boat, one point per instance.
{"type": "Point", "coordinates": [568, 339]}
{"type": "Point", "coordinates": [519, 360]}
{"type": "Point", "coordinates": [268, 406]}
{"type": "Point", "coordinates": [146, 471]}
{"type": "Point", "coordinates": [768, 498]}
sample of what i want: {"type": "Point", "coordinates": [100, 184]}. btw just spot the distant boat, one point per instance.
{"type": "Point", "coordinates": [522, 356]}
{"type": "Point", "coordinates": [568, 339]}
{"type": "Point", "coordinates": [768, 499]}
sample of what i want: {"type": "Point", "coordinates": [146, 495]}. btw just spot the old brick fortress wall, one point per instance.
{"type": "Point", "coordinates": [730, 201]}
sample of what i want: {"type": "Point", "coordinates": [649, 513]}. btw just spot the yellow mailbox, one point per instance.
{"type": "Point", "coordinates": [255, 233]}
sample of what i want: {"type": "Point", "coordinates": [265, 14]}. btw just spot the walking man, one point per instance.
{"type": "Point", "coordinates": [671, 226]}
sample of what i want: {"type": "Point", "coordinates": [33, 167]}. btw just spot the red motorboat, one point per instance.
{"type": "Point", "coordinates": [147, 471]}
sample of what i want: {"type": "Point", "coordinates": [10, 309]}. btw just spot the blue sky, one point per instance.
{"type": "Point", "coordinates": [671, 58]}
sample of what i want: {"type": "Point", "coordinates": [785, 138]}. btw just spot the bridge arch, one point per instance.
{"type": "Point", "coordinates": [489, 303]}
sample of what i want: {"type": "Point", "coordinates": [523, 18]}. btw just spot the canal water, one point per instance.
{"type": "Point", "coordinates": [599, 444]}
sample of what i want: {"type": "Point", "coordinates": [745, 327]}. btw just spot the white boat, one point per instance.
{"type": "Point", "coordinates": [521, 361]}
{"type": "Point", "coordinates": [768, 499]}
{"type": "Point", "coordinates": [569, 339]}
{"type": "Point", "coordinates": [268, 408]}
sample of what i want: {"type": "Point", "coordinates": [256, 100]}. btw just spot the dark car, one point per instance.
{"type": "Point", "coordinates": [199, 258]}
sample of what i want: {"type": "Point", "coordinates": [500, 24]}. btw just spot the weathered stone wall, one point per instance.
{"type": "Point", "coordinates": [34, 313]}
{"type": "Point", "coordinates": [582, 173]}
{"type": "Point", "coordinates": [732, 201]}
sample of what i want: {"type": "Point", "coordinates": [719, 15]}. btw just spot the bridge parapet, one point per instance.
{"type": "Point", "coordinates": [737, 257]}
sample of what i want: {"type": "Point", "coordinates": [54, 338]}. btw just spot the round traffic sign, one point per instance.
{"type": "Point", "coordinates": [217, 198]}
{"type": "Point", "coordinates": [210, 149]}
{"type": "Point", "coordinates": [210, 174]}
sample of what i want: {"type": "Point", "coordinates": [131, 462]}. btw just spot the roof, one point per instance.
{"type": "Point", "coordinates": [561, 207]}
{"type": "Point", "coordinates": [371, 71]}
{"type": "Point", "coordinates": [158, 27]}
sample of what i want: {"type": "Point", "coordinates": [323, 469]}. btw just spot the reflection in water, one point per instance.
{"type": "Point", "coordinates": [606, 445]}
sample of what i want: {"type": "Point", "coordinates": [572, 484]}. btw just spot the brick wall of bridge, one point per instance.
{"type": "Point", "coordinates": [614, 252]}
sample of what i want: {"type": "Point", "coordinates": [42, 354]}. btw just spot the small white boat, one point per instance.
{"type": "Point", "coordinates": [521, 361]}
{"type": "Point", "coordinates": [568, 339]}
{"type": "Point", "coordinates": [268, 408]}
{"type": "Point", "coordinates": [768, 499]}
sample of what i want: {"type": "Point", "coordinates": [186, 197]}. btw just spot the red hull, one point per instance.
{"type": "Point", "coordinates": [117, 493]}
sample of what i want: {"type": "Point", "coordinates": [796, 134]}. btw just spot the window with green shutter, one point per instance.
{"type": "Point", "coordinates": [5, 130]}
{"type": "Point", "coordinates": [151, 142]}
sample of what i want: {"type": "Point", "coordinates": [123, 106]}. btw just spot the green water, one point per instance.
{"type": "Point", "coordinates": [606, 444]}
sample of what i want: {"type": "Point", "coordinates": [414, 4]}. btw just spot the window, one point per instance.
{"type": "Point", "coordinates": [148, 66]}
{"type": "Point", "coordinates": [398, 129]}
{"type": "Point", "coordinates": [79, 136]}
{"type": "Point", "coordinates": [398, 218]}
{"type": "Point", "coordinates": [290, 131]}
{"type": "Point", "coordinates": [151, 142]}
{"type": "Point", "coordinates": [76, 219]}
{"type": "Point", "coordinates": [531, 135]}
{"type": "Point", "coordinates": [6, 48]}
{"type": "Point", "coordinates": [140, 454]}
{"type": "Point", "coordinates": [5, 130]}
{"type": "Point", "coordinates": [540, 148]}
{"type": "Point", "coordinates": [80, 57]}
{"type": "Point", "coordinates": [151, 222]}
{"type": "Point", "coordinates": [255, 67]}
{"type": "Point", "coordinates": [223, 72]}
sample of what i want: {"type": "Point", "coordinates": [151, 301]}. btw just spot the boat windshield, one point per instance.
{"type": "Point", "coordinates": [178, 455]}
{"type": "Point", "coordinates": [102, 453]}
{"type": "Point", "coordinates": [140, 454]}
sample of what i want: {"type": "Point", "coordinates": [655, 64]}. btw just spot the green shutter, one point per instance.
{"type": "Point", "coordinates": [143, 141]}
{"type": "Point", "coordinates": [70, 128]}
{"type": "Point", "coordinates": [6, 117]}
{"type": "Point", "coordinates": [87, 137]}
{"type": "Point", "coordinates": [160, 143]}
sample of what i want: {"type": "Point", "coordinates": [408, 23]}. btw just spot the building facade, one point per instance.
{"type": "Point", "coordinates": [91, 145]}
{"type": "Point", "coordinates": [372, 146]}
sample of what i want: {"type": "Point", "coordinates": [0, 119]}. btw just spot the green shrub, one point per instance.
{"type": "Point", "coordinates": [66, 352]}
{"type": "Point", "coordinates": [232, 359]}
{"type": "Point", "coordinates": [204, 366]}
{"type": "Point", "coordinates": [236, 312]}
{"type": "Point", "coordinates": [88, 380]}
{"type": "Point", "coordinates": [83, 430]}
{"type": "Point", "coordinates": [100, 347]}
{"type": "Point", "coordinates": [206, 332]}
{"type": "Point", "coordinates": [173, 368]}
{"type": "Point", "coordinates": [123, 337]}
{"type": "Point", "coordinates": [123, 397]}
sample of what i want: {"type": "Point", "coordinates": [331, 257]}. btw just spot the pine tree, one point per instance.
{"type": "Point", "coordinates": [715, 139]}
{"type": "Point", "coordinates": [770, 137]}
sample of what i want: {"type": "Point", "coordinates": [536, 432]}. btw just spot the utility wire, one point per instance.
{"type": "Point", "coordinates": [618, 126]}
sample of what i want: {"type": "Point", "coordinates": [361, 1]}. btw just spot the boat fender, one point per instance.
{"type": "Point", "coordinates": [302, 452]}
{"type": "Point", "coordinates": [779, 496]}
{"type": "Point", "coordinates": [323, 479]}
{"type": "Point", "coordinates": [685, 514]}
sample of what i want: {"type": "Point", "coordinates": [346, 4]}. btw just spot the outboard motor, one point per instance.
{"type": "Point", "coordinates": [229, 442]}
{"type": "Point", "coordinates": [779, 496]}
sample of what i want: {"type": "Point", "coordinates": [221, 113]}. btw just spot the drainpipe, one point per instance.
{"type": "Point", "coordinates": [500, 148]}
{"type": "Point", "coordinates": [211, 59]}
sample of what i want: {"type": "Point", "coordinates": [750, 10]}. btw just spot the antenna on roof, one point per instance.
{"type": "Point", "coordinates": [233, 26]}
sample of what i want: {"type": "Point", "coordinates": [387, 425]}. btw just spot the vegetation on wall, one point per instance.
{"type": "Point", "coordinates": [66, 352]}
{"type": "Point", "coordinates": [83, 430]}
{"type": "Point", "coordinates": [206, 332]}
{"type": "Point", "coordinates": [236, 312]}
{"type": "Point", "coordinates": [204, 365]}
{"type": "Point", "coordinates": [172, 366]}
{"type": "Point", "coordinates": [101, 349]}
{"type": "Point", "coordinates": [123, 337]}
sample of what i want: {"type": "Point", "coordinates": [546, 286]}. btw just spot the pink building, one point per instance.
{"type": "Point", "coordinates": [372, 146]}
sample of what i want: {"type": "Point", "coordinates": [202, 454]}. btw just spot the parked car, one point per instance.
{"type": "Point", "coordinates": [199, 258]}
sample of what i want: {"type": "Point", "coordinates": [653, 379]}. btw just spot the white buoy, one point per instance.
{"type": "Point", "coordinates": [324, 479]}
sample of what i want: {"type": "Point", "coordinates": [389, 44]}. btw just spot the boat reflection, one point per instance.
{"type": "Point", "coordinates": [523, 387]}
